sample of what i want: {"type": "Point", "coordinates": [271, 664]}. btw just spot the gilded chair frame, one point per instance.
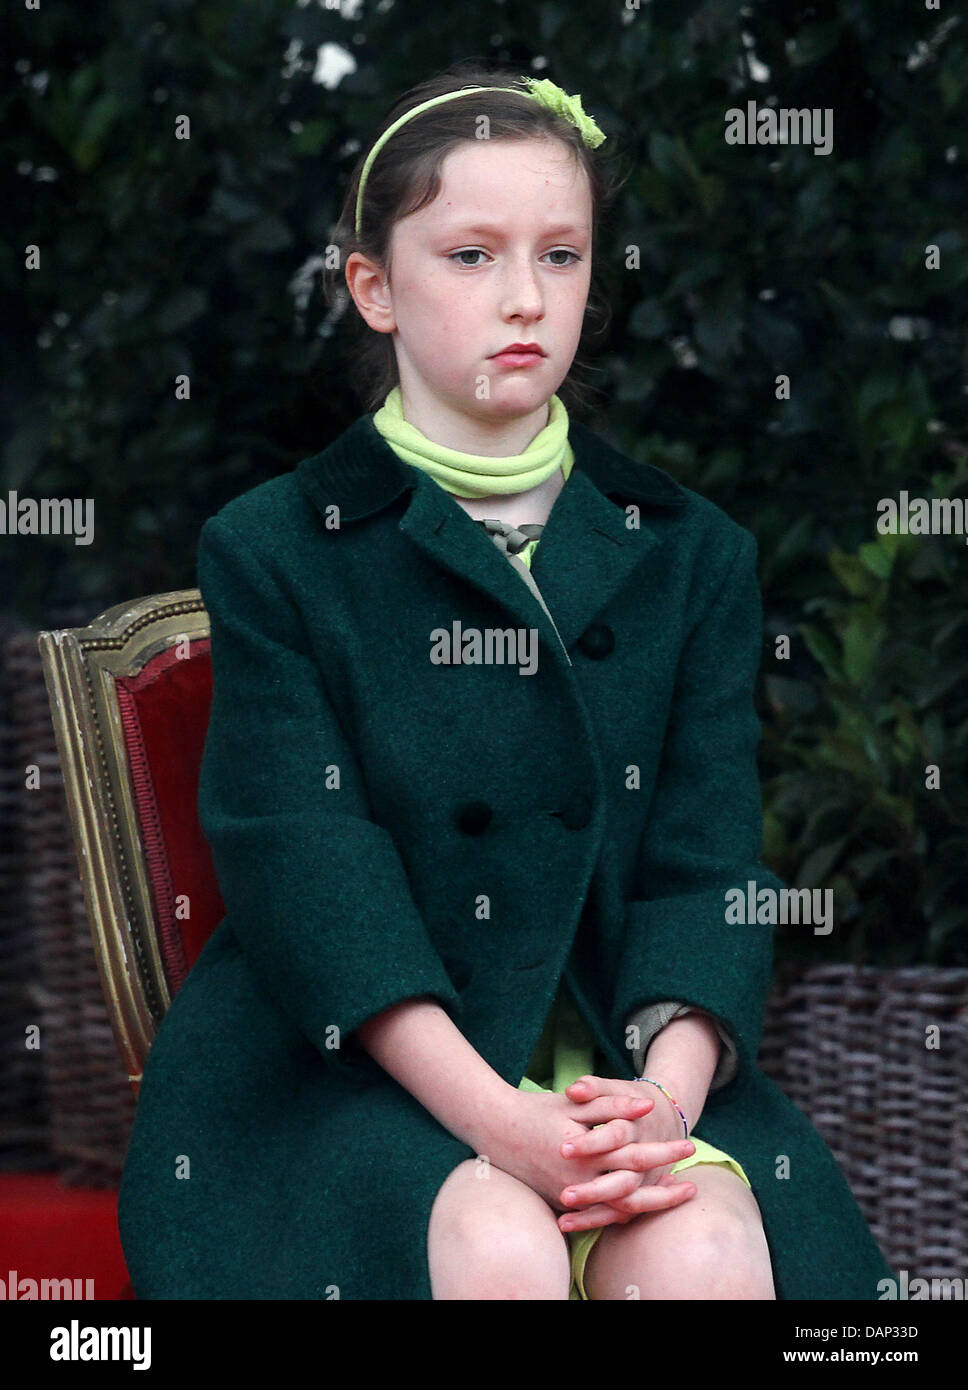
{"type": "Point", "coordinates": [80, 668]}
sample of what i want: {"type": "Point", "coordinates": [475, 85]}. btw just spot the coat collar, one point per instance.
{"type": "Point", "coordinates": [587, 549]}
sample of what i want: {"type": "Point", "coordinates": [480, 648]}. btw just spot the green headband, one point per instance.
{"type": "Point", "coordinates": [543, 91]}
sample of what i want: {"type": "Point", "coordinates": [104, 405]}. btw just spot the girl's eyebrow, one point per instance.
{"type": "Point", "coordinates": [493, 229]}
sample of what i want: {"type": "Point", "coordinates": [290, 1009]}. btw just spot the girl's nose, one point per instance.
{"type": "Point", "coordinates": [522, 291]}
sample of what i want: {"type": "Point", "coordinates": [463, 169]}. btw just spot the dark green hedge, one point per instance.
{"type": "Point", "coordinates": [161, 257]}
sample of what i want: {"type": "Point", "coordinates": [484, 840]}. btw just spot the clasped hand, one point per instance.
{"type": "Point", "coordinates": [599, 1154]}
{"type": "Point", "coordinates": [634, 1151]}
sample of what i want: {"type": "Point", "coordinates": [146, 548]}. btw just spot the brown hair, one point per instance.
{"type": "Point", "coordinates": [405, 176]}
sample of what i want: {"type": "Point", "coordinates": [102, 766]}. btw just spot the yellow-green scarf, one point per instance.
{"type": "Point", "coordinates": [479, 475]}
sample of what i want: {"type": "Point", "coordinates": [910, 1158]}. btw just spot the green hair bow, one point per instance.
{"type": "Point", "coordinates": [548, 94]}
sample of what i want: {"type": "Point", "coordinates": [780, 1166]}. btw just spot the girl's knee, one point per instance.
{"type": "Point", "coordinates": [493, 1237]}
{"type": "Point", "coordinates": [721, 1253]}
{"type": "Point", "coordinates": [712, 1247]}
{"type": "Point", "coordinates": [726, 1240]}
{"type": "Point", "coordinates": [718, 1232]}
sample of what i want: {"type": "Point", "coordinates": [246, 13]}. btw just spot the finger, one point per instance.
{"type": "Point", "coordinates": [638, 1157]}
{"type": "Point", "coordinates": [660, 1196]}
{"type": "Point", "coordinates": [621, 1134]}
{"type": "Point", "coordinates": [615, 1213]}
{"type": "Point", "coordinates": [588, 1085]}
{"type": "Point", "coordinates": [607, 1187]}
{"type": "Point", "coordinates": [589, 1217]}
{"type": "Point", "coordinates": [598, 1109]}
{"type": "Point", "coordinates": [611, 1135]}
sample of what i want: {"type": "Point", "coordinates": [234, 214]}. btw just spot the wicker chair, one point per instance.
{"type": "Point", "coordinates": [129, 698]}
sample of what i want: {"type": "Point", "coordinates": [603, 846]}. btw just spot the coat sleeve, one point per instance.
{"type": "Point", "coordinates": [703, 833]}
{"type": "Point", "coordinates": [649, 1022]}
{"type": "Point", "coordinates": [315, 890]}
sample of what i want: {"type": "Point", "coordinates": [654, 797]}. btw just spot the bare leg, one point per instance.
{"type": "Point", "coordinates": [713, 1246]}
{"type": "Point", "coordinates": [491, 1236]}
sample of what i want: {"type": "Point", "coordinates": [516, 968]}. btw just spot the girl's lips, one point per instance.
{"type": "Point", "coordinates": [518, 359]}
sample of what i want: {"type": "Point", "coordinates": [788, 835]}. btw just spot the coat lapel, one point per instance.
{"type": "Point", "coordinates": [587, 550]}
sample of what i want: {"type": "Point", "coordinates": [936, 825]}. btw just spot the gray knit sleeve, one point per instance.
{"type": "Point", "coordinates": [652, 1018]}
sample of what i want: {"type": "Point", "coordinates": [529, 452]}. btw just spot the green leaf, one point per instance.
{"type": "Point", "coordinates": [861, 640]}
{"type": "Point", "coordinates": [819, 863]}
{"type": "Point", "coordinates": [951, 84]}
{"type": "Point", "coordinates": [839, 752]}
{"type": "Point", "coordinates": [851, 572]}
{"type": "Point", "coordinates": [82, 83]}
{"type": "Point", "coordinates": [823, 649]}
{"type": "Point", "coordinates": [876, 558]}
{"type": "Point", "coordinates": [313, 136]}
{"type": "Point", "coordinates": [98, 121]}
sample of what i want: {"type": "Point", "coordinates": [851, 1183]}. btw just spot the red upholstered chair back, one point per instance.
{"type": "Point", "coordinates": [129, 697]}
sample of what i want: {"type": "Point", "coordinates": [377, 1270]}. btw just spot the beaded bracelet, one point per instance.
{"type": "Point", "coordinates": [685, 1127]}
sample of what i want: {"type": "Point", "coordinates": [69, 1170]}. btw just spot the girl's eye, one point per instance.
{"type": "Point", "coordinates": [476, 251]}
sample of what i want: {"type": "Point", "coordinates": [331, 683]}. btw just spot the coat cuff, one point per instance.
{"type": "Point", "coordinates": [650, 1020]}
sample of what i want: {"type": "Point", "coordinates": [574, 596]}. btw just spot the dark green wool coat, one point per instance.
{"type": "Point", "coordinates": [311, 1169]}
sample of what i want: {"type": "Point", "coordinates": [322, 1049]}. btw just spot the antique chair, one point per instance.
{"type": "Point", "coordinates": [129, 698]}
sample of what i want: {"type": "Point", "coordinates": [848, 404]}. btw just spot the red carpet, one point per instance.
{"type": "Point", "coordinates": [52, 1232]}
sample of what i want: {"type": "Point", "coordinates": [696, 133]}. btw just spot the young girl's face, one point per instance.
{"type": "Point", "coordinates": [502, 255]}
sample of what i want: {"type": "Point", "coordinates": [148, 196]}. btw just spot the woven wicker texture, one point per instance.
{"type": "Point", "coordinates": [24, 1122]}
{"type": "Point", "coordinates": [850, 1046]}
{"type": "Point", "coordinates": [90, 1103]}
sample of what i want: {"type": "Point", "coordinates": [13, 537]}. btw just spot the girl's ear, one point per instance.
{"type": "Point", "coordinates": [366, 282]}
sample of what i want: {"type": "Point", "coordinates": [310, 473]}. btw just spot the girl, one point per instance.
{"type": "Point", "coordinates": [476, 988]}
